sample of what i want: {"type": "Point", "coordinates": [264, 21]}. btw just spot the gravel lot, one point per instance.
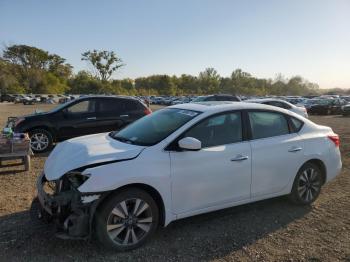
{"type": "Point", "coordinates": [271, 230]}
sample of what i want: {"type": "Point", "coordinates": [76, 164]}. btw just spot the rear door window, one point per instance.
{"type": "Point", "coordinates": [267, 124]}
{"type": "Point", "coordinates": [132, 105]}
{"type": "Point", "coordinates": [110, 106]}
{"type": "Point", "coordinates": [119, 106]}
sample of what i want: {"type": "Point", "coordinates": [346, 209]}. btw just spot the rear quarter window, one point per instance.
{"type": "Point", "coordinates": [296, 124]}
{"type": "Point", "coordinates": [132, 105]}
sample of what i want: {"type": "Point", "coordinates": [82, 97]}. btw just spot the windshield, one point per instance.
{"type": "Point", "coordinates": [153, 128]}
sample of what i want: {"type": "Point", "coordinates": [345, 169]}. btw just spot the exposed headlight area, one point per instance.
{"type": "Point", "coordinates": [76, 179]}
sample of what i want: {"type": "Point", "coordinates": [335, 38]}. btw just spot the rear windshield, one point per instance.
{"type": "Point", "coordinates": [152, 129]}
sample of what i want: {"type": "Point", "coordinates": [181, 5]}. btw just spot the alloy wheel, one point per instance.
{"type": "Point", "coordinates": [39, 141]}
{"type": "Point", "coordinates": [129, 222]}
{"type": "Point", "coordinates": [309, 184]}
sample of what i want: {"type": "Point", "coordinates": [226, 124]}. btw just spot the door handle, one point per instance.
{"type": "Point", "coordinates": [124, 115]}
{"type": "Point", "coordinates": [239, 158]}
{"type": "Point", "coordinates": [91, 118]}
{"type": "Point", "coordinates": [295, 149]}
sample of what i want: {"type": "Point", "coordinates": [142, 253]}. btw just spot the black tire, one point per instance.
{"type": "Point", "coordinates": [306, 182]}
{"type": "Point", "coordinates": [104, 217]}
{"type": "Point", "coordinates": [38, 133]}
{"type": "Point", "coordinates": [37, 214]}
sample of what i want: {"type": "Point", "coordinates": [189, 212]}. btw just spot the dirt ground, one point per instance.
{"type": "Point", "coordinates": [271, 230]}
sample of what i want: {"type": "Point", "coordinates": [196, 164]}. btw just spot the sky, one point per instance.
{"type": "Point", "coordinates": [310, 38]}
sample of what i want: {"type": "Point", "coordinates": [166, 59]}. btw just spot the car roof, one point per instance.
{"type": "Point", "coordinates": [221, 106]}
{"type": "Point", "coordinates": [106, 96]}
{"type": "Point", "coordinates": [261, 100]}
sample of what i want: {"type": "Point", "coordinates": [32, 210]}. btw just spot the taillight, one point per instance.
{"type": "Point", "coordinates": [335, 139]}
{"type": "Point", "coordinates": [147, 111]}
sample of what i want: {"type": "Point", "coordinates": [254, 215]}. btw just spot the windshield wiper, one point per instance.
{"type": "Point", "coordinates": [123, 139]}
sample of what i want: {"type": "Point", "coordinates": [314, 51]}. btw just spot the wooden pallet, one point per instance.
{"type": "Point", "coordinates": [24, 155]}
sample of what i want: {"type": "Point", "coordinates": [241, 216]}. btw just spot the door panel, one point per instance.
{"type": "Point", "coordinates": [218, 173]}
{"type": "Point", "coordinates": [208, 177]}
{"type": "Point", "coordinates": [112, 114]}
{"type": "Point", "coordinates": [276, 161]}
{"type": "Point", "coordinates": [276, 154]}
{"type": "Point", "coordinates": [78, 119]}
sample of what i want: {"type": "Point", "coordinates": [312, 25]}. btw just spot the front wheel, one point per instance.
{"type": "Point", "coordinates": [307, 184]}
{"type": "Point", "coordinates": [40, 140]}
{"type": "Point", "coordinates": [127, 220]}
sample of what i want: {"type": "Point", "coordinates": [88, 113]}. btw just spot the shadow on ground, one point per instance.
{"type": "Point", "coordinates": [196, 238]}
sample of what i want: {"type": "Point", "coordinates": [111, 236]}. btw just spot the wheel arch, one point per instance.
{"type": "Point", "coordinates": [44, 127]}
{"type": "Point", "coordinates": [320, 164]}
{"type": "Point", "coordinates": [154, 193]}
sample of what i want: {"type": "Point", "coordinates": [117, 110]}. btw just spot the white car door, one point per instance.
{"type": "Point", "coordinates": [277, 154]}
{"type": "Point", "coordinates": [219, 173]}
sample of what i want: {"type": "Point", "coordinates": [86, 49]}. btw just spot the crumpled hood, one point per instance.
{"type": "Point", "coordinates": [87, 150]}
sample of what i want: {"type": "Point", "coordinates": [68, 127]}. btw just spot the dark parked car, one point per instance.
{"type": "Point", "coordinates": [82, 116]}
{"type": "Point", "coordinates": [346, 110]}
{"type": "Point", "coordinates": [327, 107]}
{"type": "Point", "coordinates": [7, 98]}
{"type": "Point", "coordinates": [217, 98]}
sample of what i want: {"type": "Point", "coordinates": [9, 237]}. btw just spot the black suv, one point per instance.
{"type": "Point", "coordinates": [83, 116]}
{"type": "Point", "coordinates": [327, 107]}
{"type": "Point", "coordinates": [217, 98]}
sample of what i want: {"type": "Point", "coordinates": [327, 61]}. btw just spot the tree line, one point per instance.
{"type": "Point", "coordinates": [28, 69]}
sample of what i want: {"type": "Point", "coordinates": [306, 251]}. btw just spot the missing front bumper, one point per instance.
{"type": "Point", "coordinates": [65, 208]}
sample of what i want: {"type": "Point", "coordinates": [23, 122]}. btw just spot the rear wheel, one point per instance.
{"type": "Point", "coordinates": [307, 184]}
{"type": "Point", "coordinates": [127, 220]}
{"type": "Point", "coordinates": [40, 140]}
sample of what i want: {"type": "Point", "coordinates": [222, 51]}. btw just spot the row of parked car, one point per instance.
{"type": "Point", "coordinates": [30, 99]}
{"type": "Point", "coordinates": [318, 105]}
{"type": "Point", "coordinates": [96, 114]}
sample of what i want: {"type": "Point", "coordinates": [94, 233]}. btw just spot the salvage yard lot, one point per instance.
{"type": "Point", "coordinates": [268, 230]}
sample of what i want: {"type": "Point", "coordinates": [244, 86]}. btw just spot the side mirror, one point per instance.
{"type": "Point", "coordinates": [190, 143]}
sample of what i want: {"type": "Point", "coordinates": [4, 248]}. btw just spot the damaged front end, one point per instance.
{"type": "Point", "coordinates": [71, 210]}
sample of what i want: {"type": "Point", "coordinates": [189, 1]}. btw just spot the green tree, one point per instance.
{"type": "Point", "coordinates": [28, 57]}
{"type": "Point", "coordinates": [188, 84]}
{"type": "Point", "coordinates": [8, 81]}
{"type": "Point", "coordinates": [104, 63]}
{"type": "Point", "coordinates": [36, 70]}
{"type": "Point", "coordinates": [85, 83]}
{"type": "Point", "coordinates": [209, 81]}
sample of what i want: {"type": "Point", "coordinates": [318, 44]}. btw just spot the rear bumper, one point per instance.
{"type": "Point", "coordinates": [334, 165]}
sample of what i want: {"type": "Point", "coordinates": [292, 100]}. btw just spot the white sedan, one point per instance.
{"type": "Point", "coordinates": [182, 161]}
{"type": "Point", "coordinates": [298, 109]}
